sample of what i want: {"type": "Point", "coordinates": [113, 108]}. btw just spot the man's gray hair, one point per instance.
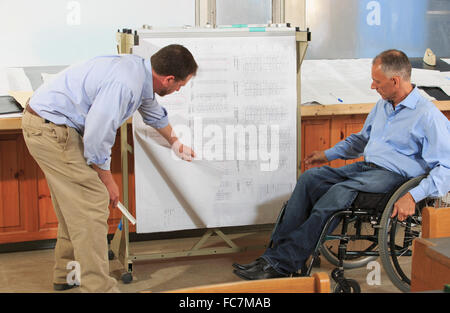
{"type": "Point", "coordinates": [394, 63]}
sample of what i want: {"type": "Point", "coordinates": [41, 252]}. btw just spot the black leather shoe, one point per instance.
{"type": "Point", "coordinates": [261, 271]}
{"type": "Point", "coordinates": [62, 287]}
{"type": "Point", "coordinates": [247, 266]}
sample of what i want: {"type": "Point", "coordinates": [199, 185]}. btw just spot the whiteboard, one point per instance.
{"type": "Point", "coordinates": [239, 115]}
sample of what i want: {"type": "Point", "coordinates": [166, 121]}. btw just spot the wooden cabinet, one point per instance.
{"type": "Point", "coordinates": [430, 264]}
{"type": "Point", "coordinates": [320, 133]}
{"type": "Point", "coordinates": [341, 128]}
{"type": "Point", "coordinates": [26, 210]}
{"type": "Point", "coordinates": [315, 136]}
{"type": "Point", "coordinates": [19, 214]}
{"type": "Point", "coordinates": [12, 213]}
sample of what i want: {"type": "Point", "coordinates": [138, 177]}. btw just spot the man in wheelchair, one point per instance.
{"type": "Point", "coordinates": [404, 136]}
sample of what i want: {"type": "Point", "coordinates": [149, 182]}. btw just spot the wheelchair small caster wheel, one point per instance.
{"type": "Point", "coordinates": [347, 286]}
{"type": "Point", "coordinates": [111, 255]}
{"type": "Point", "coordinates": [316, 262]}
{"type": "Point", "coordinates": [127, 278]}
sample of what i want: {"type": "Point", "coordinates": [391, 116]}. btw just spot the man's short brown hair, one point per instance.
{"type": "Point", "coordinates": [394, 62]}
{"type": "Point", "coordinates": [174, 60]}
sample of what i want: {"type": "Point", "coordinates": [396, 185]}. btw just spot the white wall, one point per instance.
{"type": "Point", "coordinates": [61, 32]}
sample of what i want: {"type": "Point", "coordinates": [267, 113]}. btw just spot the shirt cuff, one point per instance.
{"type": "Point", "coordinates": [417, 193]}
{"type": "Point", "coordinates": [163, 122]}
{"type": "Point", "coordinates": [105, 166]}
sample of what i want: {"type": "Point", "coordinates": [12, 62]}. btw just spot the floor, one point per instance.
{"type": "Point", "coordinates": [31, 271]}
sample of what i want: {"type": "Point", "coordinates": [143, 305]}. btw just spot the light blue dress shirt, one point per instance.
{"type": "Point", "coordinates": [412, 140]}
{"type": "Point", "coordinates": [97, 97]}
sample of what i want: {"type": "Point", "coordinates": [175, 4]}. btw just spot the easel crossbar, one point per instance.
{"type": "Point", "coordinates": [197, 249]}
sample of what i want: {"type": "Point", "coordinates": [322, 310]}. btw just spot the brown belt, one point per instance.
{"type": "Point", "coordinates": [29, 109]}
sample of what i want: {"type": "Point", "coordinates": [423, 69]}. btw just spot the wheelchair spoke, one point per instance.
{"type": "Point", "coordinates": [400, 251]}
{"type": "Point", "coordinates": [407, 229]}
{"type": "Point", "coordinates": [394, 252]}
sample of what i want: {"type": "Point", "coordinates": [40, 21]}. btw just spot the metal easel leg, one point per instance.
{"type": "Point", "coordinates": [120, 242]}
{"type": "Point", "coordinates": [124, 247]}
{"type": "Point", "coordinates": [208, 234]}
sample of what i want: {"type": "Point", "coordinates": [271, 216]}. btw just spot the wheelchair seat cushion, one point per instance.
{"type": "Point", "coordinates": [370, 201]}
{"type": "Point", "coordinates": [375, 202]}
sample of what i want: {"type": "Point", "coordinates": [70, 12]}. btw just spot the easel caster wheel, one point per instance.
{"type": "Point", "coordinates": [110, 255]}
{"type": "Point", "coordinates": [127, 278]}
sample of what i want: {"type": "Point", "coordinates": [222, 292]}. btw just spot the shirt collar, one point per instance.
{"type": "Point", "coordinates": [147, 92]}
{"type": "Point", "coordinates": [411, 100]}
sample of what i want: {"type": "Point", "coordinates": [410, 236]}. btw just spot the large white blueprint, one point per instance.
{"type": "Point", "coordinates": [239, 115]}
{"type": "Point", "coordinates": [348, 81]}
{"type": "Point", "coordinates": [337, 81]}
{"type": "Point", "coordinates": [168, 197]}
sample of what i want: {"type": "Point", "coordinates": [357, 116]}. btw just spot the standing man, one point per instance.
{"type": "Point", "coordinates": [70, 126]}
{"type": "Point", "coordinates": [404, 136]}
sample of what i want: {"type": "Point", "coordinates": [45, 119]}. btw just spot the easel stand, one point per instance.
{"type": "Point", "coordinates": [119, 246]}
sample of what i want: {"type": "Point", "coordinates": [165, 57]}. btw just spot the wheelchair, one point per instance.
{"type": "Point", "coordinates": [360, 234]}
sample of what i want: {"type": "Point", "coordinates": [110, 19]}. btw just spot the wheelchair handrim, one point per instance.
{"type": "Point", "coordinates": [387, 241]}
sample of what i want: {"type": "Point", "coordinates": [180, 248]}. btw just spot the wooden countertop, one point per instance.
{"type": "Point", "coordinates": [14, 123]}
{"type": "Point", "coordinates": [11, 123]}
{"type": "Point", "coordinates": [348, 109]}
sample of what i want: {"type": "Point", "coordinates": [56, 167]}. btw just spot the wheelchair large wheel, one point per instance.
{"type": "Point", "coordinates": [395, 239]}
{"type": "Point", "coordinates": [329, 248]}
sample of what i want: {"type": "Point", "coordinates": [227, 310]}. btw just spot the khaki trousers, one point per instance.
{"type": "Point", "coordinates": [80, 200]}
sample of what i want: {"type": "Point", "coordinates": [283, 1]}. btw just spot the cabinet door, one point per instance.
{"type": "Point", "coordinates": [18, 188]}
{"type": "Point", "coordinates": [341, 128]}
{"type": "Point", "coordinates": [11, 215]}
{"type": "Point", "coordinates": [315, 136]}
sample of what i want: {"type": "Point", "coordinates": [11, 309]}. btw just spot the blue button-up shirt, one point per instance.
{"type": "Point", "coordinates": [97, 97]}
{"type": "Point", "coordinates": [411, 140]}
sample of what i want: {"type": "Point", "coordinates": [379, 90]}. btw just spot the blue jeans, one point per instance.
{"type": "Point", "coordinates": [319, 193]}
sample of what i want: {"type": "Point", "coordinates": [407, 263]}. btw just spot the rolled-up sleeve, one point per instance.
{"type": "Point", "coordinates": [436, 153]}
{"type": "Point", "coordinates": [153, 114]}
{"type": "Point", "coordinates": [103, 120]}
